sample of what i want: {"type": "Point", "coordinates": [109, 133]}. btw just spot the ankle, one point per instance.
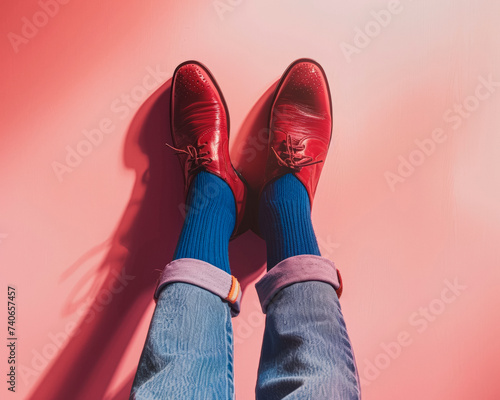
{"type": "Point", "coordinates": [209, 222]}
{"type": "Point", "coordinates": [285, 220]}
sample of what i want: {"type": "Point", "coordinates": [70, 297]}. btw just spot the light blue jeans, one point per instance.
{"type": "Point", "coordinates": [306, 351]}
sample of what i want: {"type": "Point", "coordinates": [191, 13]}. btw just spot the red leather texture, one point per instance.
{"type": "Point", "coordinates": [200, 130]}
{"type": "Point", "coordinates": [300, 125]}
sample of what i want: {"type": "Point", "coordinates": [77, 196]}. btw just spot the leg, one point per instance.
{"type": "Point", "coordinates": [189, 348]}
{"type": "Point", "coordinates": [188, 352]}
{"type": "Point", "coordinates": [306, 351]}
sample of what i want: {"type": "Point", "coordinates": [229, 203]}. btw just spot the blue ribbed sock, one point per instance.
{"type": "Point", "coordinates": [210, 219]}
{"type": "Point", "coordinates": [285, 220]}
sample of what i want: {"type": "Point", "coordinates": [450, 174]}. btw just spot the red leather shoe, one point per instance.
{"type": "Point", "coordinates": [200, 130]}
{"type": "Point", "coordinates": [300, 125]}
{"type": "Point", "coordinates": [300, 128]}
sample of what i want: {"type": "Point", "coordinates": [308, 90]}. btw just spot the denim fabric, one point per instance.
{"type": "Point", "coordinates": [306, 352]}
{"type": "Point", "coordinates": [302, 268]}
{"type": "Point", "coordinates": [188, 352]}
{"type": "Point", "coordinates": [205, 276]}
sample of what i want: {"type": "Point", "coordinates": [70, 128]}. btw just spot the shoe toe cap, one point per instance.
{"type": "Point", "coordinates": [306, 84]}
{"type": "Point", "coordinates": [192, 79]}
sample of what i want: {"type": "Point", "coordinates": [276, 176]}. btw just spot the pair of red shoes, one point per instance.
{"type": "Point", "coordinates": [300, 126]}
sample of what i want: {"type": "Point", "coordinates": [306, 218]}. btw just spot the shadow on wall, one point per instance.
{"type": "Point", "coordinates": [249, 155]}
{"type": "Point", "coordinates": [144, 241]}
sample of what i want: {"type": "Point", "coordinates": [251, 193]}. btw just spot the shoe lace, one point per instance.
{"type": "Point", "coordinates": [291, 157]}
{"type": "Point", "coordinates": [196, 157]}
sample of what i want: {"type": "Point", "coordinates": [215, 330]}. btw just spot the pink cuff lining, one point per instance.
{"type": "Point", "coordinates": [296, 269]}
{"type": "Point", "coordinates": [204, 275]}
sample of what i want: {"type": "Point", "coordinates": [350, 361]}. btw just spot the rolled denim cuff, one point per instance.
{"type": "Point", "coordinates": [296, 269]}
{"type": "Point", "coordinates": [204, 275]}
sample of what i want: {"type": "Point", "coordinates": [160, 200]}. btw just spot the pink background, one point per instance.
{"type": "Point", "coordinates": [65, 239]}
